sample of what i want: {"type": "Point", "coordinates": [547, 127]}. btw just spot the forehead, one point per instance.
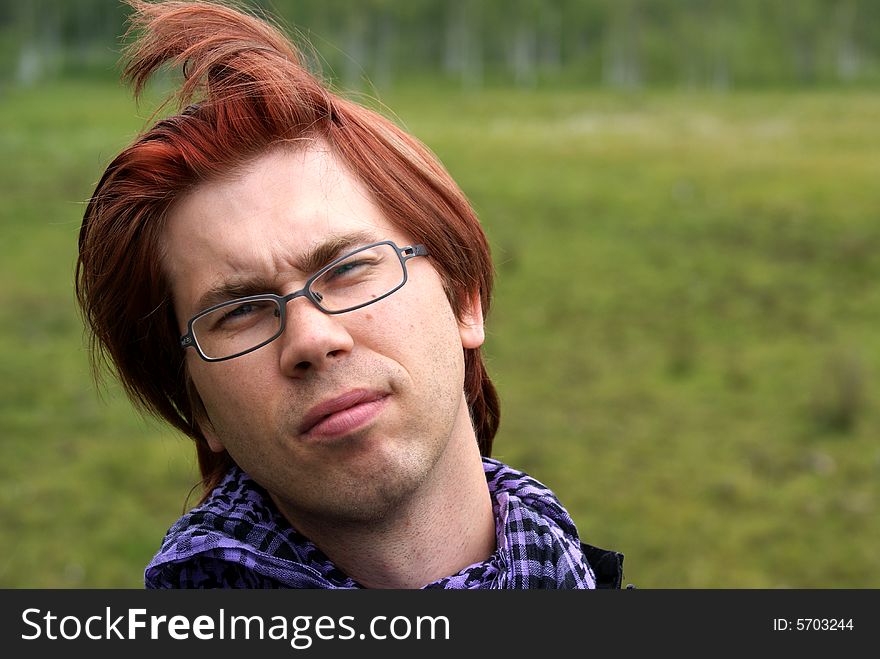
{"type": "Point", "coordinates": [291, 194]}
{"type": "Point", "coordinates": [261, 221]}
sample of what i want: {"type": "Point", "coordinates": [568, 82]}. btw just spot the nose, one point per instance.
{"type": "Point", "coordinates": [312, 339]}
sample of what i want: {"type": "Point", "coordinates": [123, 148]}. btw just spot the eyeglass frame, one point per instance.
{"type": "Point", "coordinates": [404, 254]}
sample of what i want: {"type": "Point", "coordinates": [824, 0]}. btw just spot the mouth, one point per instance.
{"type": "Point", "coordinates": [343, 414]}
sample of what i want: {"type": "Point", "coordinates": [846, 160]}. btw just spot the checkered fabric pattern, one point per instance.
{"type": "Point", "coordinates": [238, 539]}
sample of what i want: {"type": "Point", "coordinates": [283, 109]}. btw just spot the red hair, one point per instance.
{"type": "Point", "coordinates": [247, 89]}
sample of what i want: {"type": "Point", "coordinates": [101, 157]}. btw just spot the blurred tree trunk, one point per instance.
{"type": "Point", "coordinates": [355, 47]}
{"type": "Point", "coordinates": [550, 51]}
{"type": "Point", "coordinates": [621, 56]}
{"type": "Point", "coordinates": [523, 55]}
{"type": "Point", "coordinates": [803, 22]}
{"type": "Point", "coordinates": [384, 64]}
{"type": "Point", "coordinates": [848, 62]}
{"type": "Point", "coordinates": [41, 46]}
{"type": "Point", "coordinates": [463, 52]}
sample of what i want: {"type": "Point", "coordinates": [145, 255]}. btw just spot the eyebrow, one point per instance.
{"type": "Point", "coordinates": [242, 285]}
{"type": "Point", "coordinates": [321, 254]}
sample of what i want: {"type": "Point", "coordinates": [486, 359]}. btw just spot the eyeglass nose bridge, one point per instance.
{"type": "Point", "coordinates": [312, 296]}
{"type": "Point", "coordinates": [303, 292]}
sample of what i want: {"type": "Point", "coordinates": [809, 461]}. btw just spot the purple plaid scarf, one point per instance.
{"type": "Point", "coordinates": [238, 539]}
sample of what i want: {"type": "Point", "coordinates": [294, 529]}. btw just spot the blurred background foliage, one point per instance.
{"type": "Point", "coordinates": [616, 43]}
{"type": "Point", "coordinates": [682, 201]}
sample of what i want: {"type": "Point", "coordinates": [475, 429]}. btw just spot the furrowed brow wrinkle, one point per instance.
{"type": "Point", "coordinates": [313, 260]}
{"type": "Point", "coordinates": [320, 255]}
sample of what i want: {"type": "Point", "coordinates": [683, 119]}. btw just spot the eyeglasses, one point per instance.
{"type": "Point", "coordinates": [353, 281]}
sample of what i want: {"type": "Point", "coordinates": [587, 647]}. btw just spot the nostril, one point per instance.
{"type": "Point", "coordinates": [303, 366]}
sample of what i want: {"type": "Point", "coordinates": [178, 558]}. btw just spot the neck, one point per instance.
{"type": "Point", "coordinates": [446, 525]}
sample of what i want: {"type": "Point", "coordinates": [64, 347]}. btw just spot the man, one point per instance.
{"type": "Point", "coordinates": [300, 287]}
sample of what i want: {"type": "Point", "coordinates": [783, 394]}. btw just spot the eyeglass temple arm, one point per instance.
{"type": "Point", "coordinates": [413, 251]}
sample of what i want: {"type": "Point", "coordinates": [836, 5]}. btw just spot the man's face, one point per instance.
{"type": "Point", "coordinates": [392, 372]}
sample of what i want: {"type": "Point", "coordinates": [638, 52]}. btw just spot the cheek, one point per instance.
{"type": "Point", "coordinates": [419, 333]}
{"type": "Point", "coordinates": [227, 389]}
{"type": "Point", "coordinates": [434, 341]}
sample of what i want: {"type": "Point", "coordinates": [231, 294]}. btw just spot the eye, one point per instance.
{"type": "Point", "coordinates": [346, 268]}
{"type": "Point", "coordinates": [246, 313]}
{"type": "Point", "coordinates": [239, 311]}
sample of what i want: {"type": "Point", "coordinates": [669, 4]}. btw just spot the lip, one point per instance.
{"type": "Point", "coordinates": [343, 414]}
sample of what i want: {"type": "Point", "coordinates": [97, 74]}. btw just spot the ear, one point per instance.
{"type": "Point", "coordinates": [211, 437]}
{"type": "Point", "coordinates": [470, 325]}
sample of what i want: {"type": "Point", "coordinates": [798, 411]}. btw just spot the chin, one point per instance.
{"type": "Point", "coordinates": [378, 495]}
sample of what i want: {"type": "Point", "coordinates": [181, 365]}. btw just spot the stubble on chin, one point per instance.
{"type": "Point", "coordinates": [376, 493]}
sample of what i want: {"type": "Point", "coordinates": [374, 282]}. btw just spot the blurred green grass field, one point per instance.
{"type": "Point", "coordinates": [684, 334]}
